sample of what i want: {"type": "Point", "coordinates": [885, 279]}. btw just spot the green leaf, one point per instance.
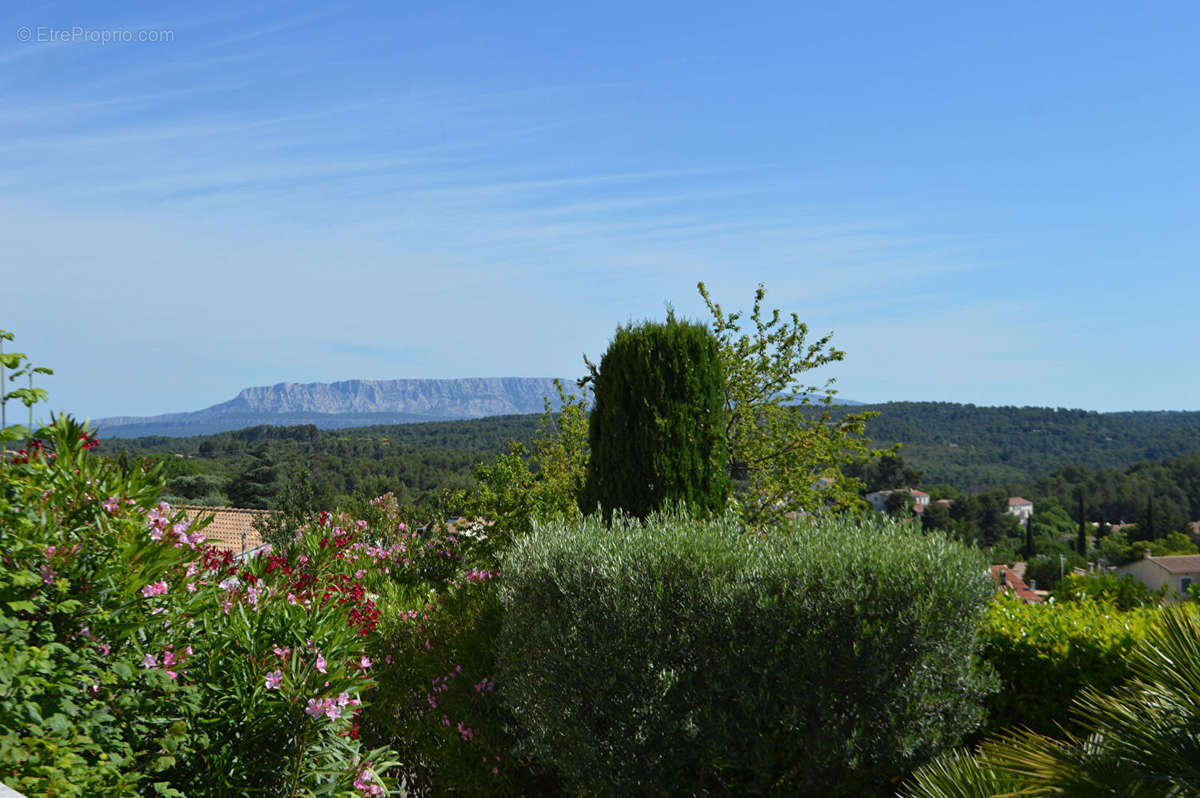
{"type": "Point", "coordinates": [16, 432]}
{"type": "Point", "coordinates": [22, 606]}
{"type": "Point", "coordinates": [24, 579]}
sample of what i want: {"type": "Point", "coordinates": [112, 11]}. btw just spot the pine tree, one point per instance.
{"type": "Point", "coordinates": [657, 429]}
{"type": "Point", "coordinates": [256, 484]}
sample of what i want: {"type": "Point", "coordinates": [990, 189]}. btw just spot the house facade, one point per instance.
{"type": "Point", "coordinates": [878, 499]}
{"type": "Point", "coordinates": [1178, 572]}
{"type": "Point", "coordinates": [1021, 508]}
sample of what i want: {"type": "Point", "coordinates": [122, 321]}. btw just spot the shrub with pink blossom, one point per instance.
{"type": "Point", "coordinates": [136, 660]}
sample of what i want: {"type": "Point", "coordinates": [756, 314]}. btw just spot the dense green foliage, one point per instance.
{"type": "Point", "coordinates": [1141, 738]}
{"type": "Point", "coordinates": [789, 445]}
{"type": "Point", "coordinates": [542, 481]}
{"type": "Point", "coordinates": [1117, 590]}
{"type": "Point", "coordinates": [971, 448]}
{"type": "Point", "coordinates": [683, 655]}
{"type": "Point", "coordinates": [982, 519]}
{"type": "Point", "coordinates": [1159, 497]}
{"type": "Point", "coordinates": [1046, 654]}
{"type": "Point", "coordinates": [657, 427]}
{"type": "Point", "coordinates": [416, 462]}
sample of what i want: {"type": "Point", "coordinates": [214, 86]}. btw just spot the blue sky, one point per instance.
{"type": "Point", "coordinates": [994, 205]}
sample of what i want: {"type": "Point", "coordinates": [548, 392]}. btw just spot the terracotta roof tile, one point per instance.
{"type": "Point", "coordinates": [1013, 501]}
{"type": "Point", "coordinates": [1178, 563]}
{"type": "Point", "coordinates": [227, 526]}
{"type": "Point", "coordinates": [1012, 583]}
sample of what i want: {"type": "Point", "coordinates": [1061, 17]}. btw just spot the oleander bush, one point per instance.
{"type": "Point", "coordinates": [1045, 654]}
{"type": "Point", "coordinates": [679, 655]}
{"type": "Point", "coordinates": [436, 699]}
{"type": "Point", "coordinates": [136, 660]}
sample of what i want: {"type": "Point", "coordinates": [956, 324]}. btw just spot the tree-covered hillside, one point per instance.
{"type": "Point", "coordinates": [971, 448]}
{"type": "Point", "coordinates": [965, 447]}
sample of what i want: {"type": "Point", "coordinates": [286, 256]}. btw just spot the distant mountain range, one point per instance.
{"type": "Point", "coordinates": [352, 403]}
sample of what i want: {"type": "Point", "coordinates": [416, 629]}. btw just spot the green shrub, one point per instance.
{"type": "Point", "coordinates": [1119, 590]}
{"type": "Point", "coordinates": [657, 430]}
{"type": "Point", "coordinates": [1140, 738]}
{"type": "Point", "coordinates": [1046, 653]}
{"type": "Point", "coordinates": [684, 655]}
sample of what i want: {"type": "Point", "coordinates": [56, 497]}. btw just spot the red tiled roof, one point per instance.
{"type": "Point", "coordinates": [227, 526]}
{"type": "Point", "coordinates": [1012, 583]}
{"type": "Point", "coordinates": [1013, 501]}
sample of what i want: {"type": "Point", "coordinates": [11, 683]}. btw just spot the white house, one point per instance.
{"type": "Point", "coordinates": [878, 499]}
{"type": "Point", "coordinates": [1179, 572]}
{"type": "Point", "coordinates": [1021, 508]}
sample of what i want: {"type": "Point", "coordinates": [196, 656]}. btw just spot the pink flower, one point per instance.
{"type": "Point", "coordinates": [112, 503]}
{"type": "Point", "coordinates": [155, 589]}
{"type": "Point", "coordinates": [48, 574]}
{"type": "Point", "coordinates": [168, 658]}
{"type": "Point", "coordinates": [314, 708]}
{"type": "Point", "coordinates": [365, 782]}
{"type": "Point", "coordinates": [321, 663]}
{"type": "Point", "coordinates": [149, 661]}
{"type": "Point", "coordinates": [364, 663]}
{"type": "Point", "coordinates": [282, 652]}
{"type": "Point", "coordinates": [274, 679]}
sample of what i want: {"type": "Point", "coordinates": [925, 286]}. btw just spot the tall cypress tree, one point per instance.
{"type": "Point", "coordinates": [1029, 537]}
{"type": "Point", "coordinates": [1082, 527]}
{"type": "Point", "coordinates": [657, 430]}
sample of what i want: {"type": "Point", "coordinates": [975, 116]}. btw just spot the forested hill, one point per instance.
{"type": "Point", "coordinates": [967, 447]}
{"type": "Point", "coordinates": [971, 447]}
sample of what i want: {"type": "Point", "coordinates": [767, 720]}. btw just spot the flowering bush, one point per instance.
{"type": "Point", "coordinates": [433, 650]}
{"type": "Point", "coordinates": [137, 660]}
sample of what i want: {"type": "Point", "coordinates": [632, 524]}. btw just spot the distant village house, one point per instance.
{"type": "Point", "coordinates": [878, 499]}
{"type": "Point", "coordinates": [1178, 572]}
{"type": "Point", "coordinates": [1021, 508]}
